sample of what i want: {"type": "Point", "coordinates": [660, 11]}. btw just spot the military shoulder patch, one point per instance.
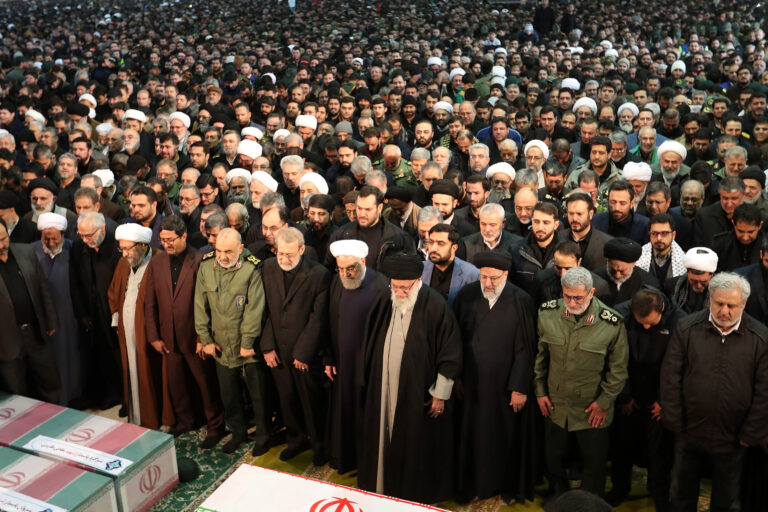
{"type": "Point", "coordinates": [609, 317]}
{"type": "Point", "coordinates": [209, 255]}
{"type": "Point", "coordinates": [552, 304]}
{"type": "Point", "coordinates": [253, 259]}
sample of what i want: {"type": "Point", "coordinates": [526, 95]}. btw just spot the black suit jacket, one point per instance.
{"type": "Point", "coordinates": [757, 304]}
{"type": "Point", "coordinates": [297, 322]}
{"type": "Point", "coordinates": [593, 257]}
{"type": "Point", "coordinates": [92, 272]}
{"type": "Point", "coordinates": [42, 302]}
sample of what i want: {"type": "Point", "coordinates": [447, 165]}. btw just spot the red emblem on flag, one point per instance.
{"type": "Point", "coordinates": [150, 479]}
{"type": "Point", "coordinates": [6, 413]}
{"type": "Point", "coordinates": [335, 505]}
{"type": "Point", "coordinates": [82, 435]}
{"type": "Point", "coordinates": [11, 480]}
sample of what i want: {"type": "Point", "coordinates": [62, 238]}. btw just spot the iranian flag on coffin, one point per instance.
{"type": "Point", "coordinates": [141, 462]}
{"type": "Point", "coordinates": [267, 490]}
{"type": "Point", "coordinates": [28, 482]}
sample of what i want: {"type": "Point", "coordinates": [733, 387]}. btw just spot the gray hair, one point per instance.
{"type": "Point", "coordinates": [8, 135]}
{"type": "Point", "coordinates": [96, 219]}
{"type": "Point", "coordinates": [727, 281]}
{"type": "Point", "coordinates": [217, 220]}
{"type": "Point", "coordinates": [97, 183]}
{"type": "Point", "coordinates": [592, 82]}
{"type": "Point", "coordinates": [271, 200]}
{"type": "Point", "coordinates": [291, 160]}
{"type": "Point", "coordinates": [360, 165]}
{"type": "Point", "coordinates": [694, 183]}
{"type": "Point", "coordinates": [375, 176]}
{"type": "Point", "coordinates": [430, 213]}
{"type": "Point", "coordinates": [526, 176]}
{"type": "Point", "coordinates": [482, 146]}
{"type": "Point", "coordinates": [392, 148]}
{"type": "Point", "coordinates": [492, 209]}
{"type": "Point", "coordinates": [508, 142]}
{"type": "Point", "coordinates": [192, 187]}
{"type": "Point", "coordinates": [289, 235]}
{"type": "Point", "coordinates": [645, 129]}
{"type": "Point", "coordinates": [431, 165]}
{"type": "Point", "coordinates": [576, 277]}
{"type": "Point", "coordinates": [365, 120]}
{"type": "Point", "coordinates": [737, 151]}
{"type": "Point", "coordinates": [420, 154]}
{"type": "Point", "coordinates": [70, 156]}
{"type": "Point", "coordinates": [237, 208]}
{"type": "Point", "coordinates": [619, 137]}
{"type": "Point", "coordinates": [442, 148]}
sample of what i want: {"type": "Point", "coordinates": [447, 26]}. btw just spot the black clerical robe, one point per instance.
{"type": "Point", "coordinates": [348, 311]}
{"type": "Point", "coordinates": [498, 448]}
{"type": "Point", "coordinates": [419, 458]}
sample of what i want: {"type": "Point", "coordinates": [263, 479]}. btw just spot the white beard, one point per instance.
{"type": "Point", "coordinates": [491, 296]}
{"type": "Point", "coordinates": [353, 283]}
{"type": "Point", "coordinates": [408, 302]}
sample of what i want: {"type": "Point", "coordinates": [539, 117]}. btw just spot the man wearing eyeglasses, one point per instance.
{"type": "Point", "coordinates": [295, 333]}
{"type": "Point", "coordinates": [412, 353]}
{"type": "Point", "coordinates": [167, 310]}
{"type": "Point", "coordinates": [662, 257]}
{"type": "Point", "coordinates": [497, 321]}
{"type": "Point", "coordinates": [580, 369]}
{"type": "Point", "coordinates": [145, 395]}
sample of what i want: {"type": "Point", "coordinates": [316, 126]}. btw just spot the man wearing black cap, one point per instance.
{"type": "Point", "coordinates": [445, 196]}
{"type": "Point", "coordinates": [623, 276]}
{"type": "Point", "coordinates": [412, 354]}
{"type": "Point", "coordinates": [21, 230]}
{"type": "Point", "coordinates": [42, 195]}
{"type": "Point", "coordinates": [754, 186]}
{"type": "Point", "coordinates": [318, 227]}
{"type": "Point", "coordinates": [401, 210]}
{"type": "Point", "coordinates": [496, 319]}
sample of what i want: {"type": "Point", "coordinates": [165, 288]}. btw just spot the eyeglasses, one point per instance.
{"type": "Point", "coordinates": [127, 249]}
{"type": "Point", "coordinates": [348, 271]}
{"type": "Point", "coordinates": [578, 299]}
{"type": "Point", "coordinates": [403, 288]}
{"type": "Point", "coordinates": [168, 241]}
{"type": "Point", "coordinates": [660, 234]}
{"type": "Point", "coordinates": [493, 279]}
{"type": "Point", "coordinates": [88, 235]}
{"type": "Point", "coordinates": [287, 255]}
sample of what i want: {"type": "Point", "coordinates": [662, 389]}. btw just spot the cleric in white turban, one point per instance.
{"type": "Point", "coordinates": [133, 232]}
{"type": "Point", "coordinates": [701, 259]}
{"type": "Point", "coordinates": [535, 143]}
{"type": "Point", "coordinates": [51, 220]}
{"type": "Point", "coordinates": [181, 116]}
{"type": "Point", "coordinates": [639, 171]}
{"type": "Point", "coordinates": [354, 248]}
{"type": "Point", "coordinates": [585, 102]}
{"type": "Point", "coordinates": [136, 115]}
{"type": "Point", "coordinates": [106, 176]}
{"type": "Point", "coordinates": [238, 172]}
{"type": "Point", "coordinates": [250, 149]}
{"type": "Point", "coordinates": [672, 145]}
{"type": "Point", "coordinates": [443, 105]}
{"type": "Point", "coordinates": [305, 121]}
{"type": "Point", "coordinates": [251, 133]}
{"type": "Point", "coordinates": [313, 183]}
{"type": "Point", "coordinates": [502, 168]}
{"type": "Point", "coordinates": [265, 179]}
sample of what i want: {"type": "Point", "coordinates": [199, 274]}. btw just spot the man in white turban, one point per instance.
{"type": "Point", "coordinates": [145, 392]}
{"type": "Point", "coordinates": [671, 155]}
{"type": "Point", "coordinates": [638, 174]}
{"type": "Point", "coordinates": [180, 123]}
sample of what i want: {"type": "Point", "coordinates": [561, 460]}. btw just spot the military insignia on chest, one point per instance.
{"type": "Point", "coordinates": [240, 302]}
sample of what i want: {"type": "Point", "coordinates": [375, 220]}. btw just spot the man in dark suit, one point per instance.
{"type": "Point", "coordinates": [620, 220]}
{"type": "Point", "coordinates": [445, 196]}
{"type": "Point", "coordinates": [23, 230]}
{"type": "Point", "coordinates": [716, 218]}
{"type": "Point", "coordinates": [443, 271]}
{"type": "Point", "coordinates": [581, 210]}
{"type": "Point", "coordinates": [294, 335]}
{"type": "Point", "coordinates": [93, 261]}
{"type": "Point", "coordinates": [26, 349]}
{"type": "Point", "coordinates": [757, 304]}
{"type": "Point", "coordinates": [492, 235]}
{"type": "Point", "coordinates": [621, 271]}
{"type": "Point", "coordinates": [168, 306]}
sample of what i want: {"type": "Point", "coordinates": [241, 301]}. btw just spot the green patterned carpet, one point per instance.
{"type": "Point", "coordinates": [215, 467]}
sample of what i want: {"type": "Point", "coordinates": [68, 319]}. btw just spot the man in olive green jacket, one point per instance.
{"type": "Point", "coordinates": [580, 369]}
{"type": "Point", "coordinates": [229, 305]}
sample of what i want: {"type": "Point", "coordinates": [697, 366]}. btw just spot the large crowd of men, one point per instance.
{"type": "Point", "coordinates": [460, 250]}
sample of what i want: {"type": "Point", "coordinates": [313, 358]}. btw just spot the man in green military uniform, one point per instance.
{"type": "Point", "coordinates": [580, 369]}
{"type": "Point", "coordinates": [393, 163]}
{"type": "Point", "coordinates": [229, 304]}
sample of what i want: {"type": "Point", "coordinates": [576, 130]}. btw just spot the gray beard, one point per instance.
{"type": "Point", "coordinates": [626, 127]}
{"type": "Point", "coordinates": [237, 198]}
{"type": "Point", "coordinates": [496, 196]}
{"type": "Point", "coordinates": [408, 302]}
{"type": "Point", "coordinates": [37, 213]}
{"type": "Point", "coordinates": [668, 176]}
{"type": "Point", "coordinates": [353, 283]}
{"type": "Point", "coordinates": [491, 296]}
{"type": "Point", "coordinates": [290, 267]}
{"type": "Point", "coordinates": [751, 201]}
